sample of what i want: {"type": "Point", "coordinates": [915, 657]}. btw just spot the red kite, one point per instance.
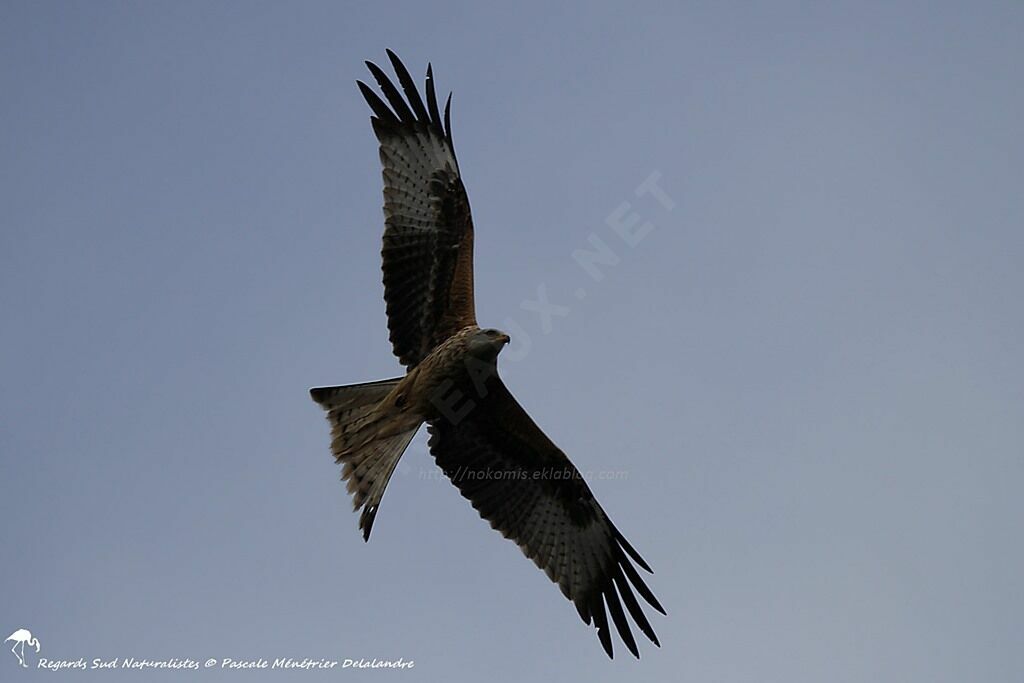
{"type": "Point", "coordinates": [483, 440]}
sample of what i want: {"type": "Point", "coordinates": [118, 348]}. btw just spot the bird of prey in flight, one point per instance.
{"type": "Point", "coordinates": [482, 439]}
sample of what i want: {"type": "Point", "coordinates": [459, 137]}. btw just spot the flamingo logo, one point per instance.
{"type": "Point", "coordinates": [20, 638]}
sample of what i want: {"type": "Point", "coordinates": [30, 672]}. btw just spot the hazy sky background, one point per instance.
{"type": "Point", "coordinates": [808, 375]}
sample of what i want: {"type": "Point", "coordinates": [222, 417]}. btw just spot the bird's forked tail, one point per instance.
{"type": "Point", "coordinates": [368, 436]}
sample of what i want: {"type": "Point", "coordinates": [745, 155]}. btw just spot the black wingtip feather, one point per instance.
{"type": "Point", "coordinates": [619, 617]}
{"type": "Point", "coordinates": [435, 115]}
{"type": "Point", "coordinates": [396, 110]}
{"type": "Point", "coordinates": [380, 110]}
{"type": "Point", "coordinates": [448, 119]}
{"type": "Point", "coordinates": [391, 93]}
{"type": "Point", "coordinates": [634, 607]}
{"type": "Point", "coordinates": [409, 87]}
{"type": "Point", "coordinates": [639, 584]}
{"type": "Point", "coordinates": [601, 622]}
{"type": "Point", "coordinates": [630, 549]}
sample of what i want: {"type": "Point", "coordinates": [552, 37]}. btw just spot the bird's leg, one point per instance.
{"type": "Point", "coordinates": [21, 657]}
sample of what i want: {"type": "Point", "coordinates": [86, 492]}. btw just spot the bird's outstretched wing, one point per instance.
{"type": "Point", "coordinates": [428, 235]}
{"type": "Point", "coordinates": [528, 490]}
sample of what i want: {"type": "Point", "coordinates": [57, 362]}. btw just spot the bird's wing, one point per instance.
{"type": "Point", "coordinates": [528, 490]}
{"type": "Point", "coordinates": [428, 235]}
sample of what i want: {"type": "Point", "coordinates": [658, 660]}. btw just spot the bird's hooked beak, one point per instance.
{"type": "Point", "coordinates": [504, 339]}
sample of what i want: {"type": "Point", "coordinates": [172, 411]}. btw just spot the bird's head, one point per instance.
{"type": "Point", "coordinates": [487, 344]}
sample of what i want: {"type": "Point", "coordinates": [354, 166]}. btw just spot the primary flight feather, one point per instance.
{"type": "Point", "coordinates": [482, 439]}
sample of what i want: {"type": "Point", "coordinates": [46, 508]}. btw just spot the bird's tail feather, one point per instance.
{"type": "Point", "coordinates": [367, 438]}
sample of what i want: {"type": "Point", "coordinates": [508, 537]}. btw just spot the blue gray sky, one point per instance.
{"type": "Point", "coordinates": [799, 395]}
